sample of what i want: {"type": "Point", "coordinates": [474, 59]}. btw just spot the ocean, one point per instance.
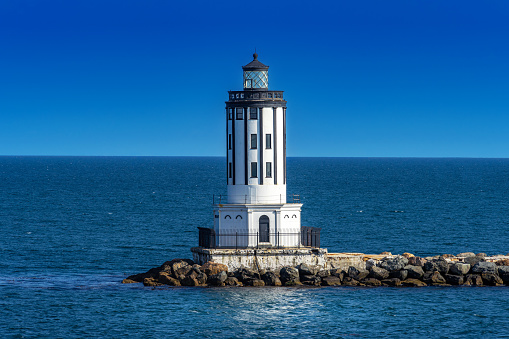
{"type": "Point", "coordinates": [71, 228]}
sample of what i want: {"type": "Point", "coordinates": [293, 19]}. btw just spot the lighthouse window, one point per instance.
{"type": "Point", "coordinates": [268, 141]}
{"type": "Point", "coordinates": [239, 112]}
{"type": "Point", "coordinates": [268, 169]}
{"type": "Point", "coordinates": [252, 113]}
{"type": "Point", "coordinates": [230, 114]}
{"type": "Point", "coordinates": [254, 141]}
{"type": "Point", "coordinates": [254, 167]}
{"type": "Point", "coordinates": [229, 170]}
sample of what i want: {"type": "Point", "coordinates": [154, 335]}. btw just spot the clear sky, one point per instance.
{"type": "Point", "coordinates": [362, 78]}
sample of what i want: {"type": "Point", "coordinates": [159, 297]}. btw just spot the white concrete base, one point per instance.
{"type": "Point", "coordinates": [268, 259]}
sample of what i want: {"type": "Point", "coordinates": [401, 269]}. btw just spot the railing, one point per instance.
{"type": "Point", "coordinates": [218, 199]}
{"type": "Point", "coordinates": [307, 237]}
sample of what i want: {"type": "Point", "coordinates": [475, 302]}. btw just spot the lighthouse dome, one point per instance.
{"type": "Point", "coordinates": [256, 75]}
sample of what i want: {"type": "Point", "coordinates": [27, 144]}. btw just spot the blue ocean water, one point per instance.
{"type": "Point", "coordinates": [71, 228]}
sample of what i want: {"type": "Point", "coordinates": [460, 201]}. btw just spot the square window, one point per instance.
{"type": "Point", "coordinates": [238, 112]}
{"type": "Point", "coordinates": [229, 141]}
{"type": "Point", "coordinates": [253, 115]}
{"type": "Point", "coordinates": [229, 170]}
{"type": "Point", "coordinates": [268, 141]}
{"type": "Point", "coordinates": [268, 169]}
{"type": "Point", "coordinates": [254, 168]}
{"type": "Point", "coordinates": [254, 141]}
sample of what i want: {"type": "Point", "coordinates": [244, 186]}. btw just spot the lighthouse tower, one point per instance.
{"type": "Point", "coordinates": [255, 212]}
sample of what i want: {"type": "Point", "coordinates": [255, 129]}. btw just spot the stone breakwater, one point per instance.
{"type": "Point", "coordinates": [407, 270]}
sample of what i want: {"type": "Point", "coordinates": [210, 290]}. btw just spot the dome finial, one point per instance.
{"type": "Point", "coordinates": [255, 55]}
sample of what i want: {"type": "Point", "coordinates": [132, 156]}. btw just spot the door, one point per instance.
{"type": "Point", "coordinates": [264, 228]}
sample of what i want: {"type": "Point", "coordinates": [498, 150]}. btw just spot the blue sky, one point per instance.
{"type": "Point", "coordinates": [362, 78]}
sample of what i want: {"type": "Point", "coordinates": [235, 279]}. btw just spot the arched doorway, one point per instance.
{"type": "Point", "coordinates": [264, 228]}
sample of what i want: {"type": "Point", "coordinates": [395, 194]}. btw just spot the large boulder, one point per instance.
{"type": "Point", "coordinates": [378, 273]}
{"type": "Point", "coordinates": [349, 281]}
{"type": "Point", "coordinates": [167, 279]}
{"type": "Point", "coordinates": [217, 279]}
{"type": "Point", "coordinates": [439, 265]}
{"type": "Point", "coordinates": [401, 274]}
{"type": "Point", "coordinates": [312, 280]}
{"type": "Point", "coordinates": [307, 270]}
{"type": "Point", "coordinates": [357, 274]}
{"type": "Point", "coordinates": [232, 281]}
{"type": "Point", "coordinates": [472, 260]}
{"type": "Point", "coordinates": [151, 273]}
{"type": "Point", "coordinates": [503, 272]}
{"type": "Point", "coordinates": [255, 283]}
{"type": "Point", "coordinates": [473, 280]}
{"type": "Point", "coordinates": [177, 266]}
{"type": "Point", "coordinates": [245, 274]}
{"type": "Point", "coordinates": [212, 268]}
{"type": "Point", "coordinates": [151, 282]}
{"type": "Point", "coordinates": [391, 282]}
{"type": "Point", "coordinates": [337, 272]}
{"type": "Point", "coordinates": [414, 272]}
{"type": "Point", "coordinates": [484, 267]}
{"type": "Point", "coordinates": [459, 268]}
{"type": "Point", "coordinates": [393, 263]}
{"type": "Point", "coordinates": [331, 281]}
{"type": "Point", "coordinates": [323, 273]}
{"type": "Point", "coordinates": [128, 281]}
{"type": "Point", "coordinates": [454, 279]}
{"type": "Point", "coordinates": [466, 254]}
{"type": "Point", "coordinates": [413, 283]}
{"type": "Point", "coordinates": [417, 261]}
{"type": "Point", "coordinates": [502, 262]}
{"type": "Point", "coordinates": [271, 279]}
{"type": "Point", "coordinates": [434, 278]}
{"type": "Point", "coordinates": [491, 279]}
{"type": "Point", "coordinates": [372, 282]}
{"type": "Point", "coordinates": [289, 274]}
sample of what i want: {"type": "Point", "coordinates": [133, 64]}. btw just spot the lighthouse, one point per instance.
{"type": "Point", "coordinates": [256, 212]}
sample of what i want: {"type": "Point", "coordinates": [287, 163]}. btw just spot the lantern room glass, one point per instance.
{"type": "Point", "coordinates": [256, 79]}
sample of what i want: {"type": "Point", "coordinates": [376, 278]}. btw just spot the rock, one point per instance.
{"type": "Point", "coordinates": [271, 279]}
{"type": "Point", "coordinates": [491, 279]}
{"type": "Point", "coordinates": [386, 253]}
{"type": "Point", "coordinates": [202, 279]}
{"type": "Point", "coordinates": [434, 278]}
{"type": "Point", "coordinates": [447, 256]}
{"type": "Point", "coordinates": [177, 266]}
{"type": "Point", "coordinates": [371, 263]}
{"type": "Point", "coordinates": [151, 282]}
{"type": "Point", "coordinates": [232, 281]}
{"type": "Point", "coordinates": [293, 282]}
{"type": "Point", "coordinates": [414, 272]}
{"type": "Point", "coordinates": [459, 268]}
{"type": "Point", "coordinates": [349, 281]}
{"type": "Point", "coordinates": [413, 283]}
{"type": "Point", "coordinates": [473, 280]}
{"type": "Point", "coordinates": [481, 255]}
{"type": "Point", "coordinates": [288, 273]}
{"type": "Point", "coordinates": [165, 278]}
{"type": "Point", "coordinates": [357, 274]}
{"type": "Point", "coordinates": [217, 279]}
{"type": "Point", "coordinates": [372, 282]}
{"type": "Point", "coordinates": [441, 265]}
{"type": "Point", "coordinates": [401, 275]}
{"type": "Point", "coordinates": [393, 264]}
{"type": "Point", "coordinates": [391, 282]}
{"type": "Point", "coordinates": [190, 281]}
{"type": "Point", "coordinates": [378, 273]}
{"type": "Point", "coordinates": [417, 261]}
{"type": "Point", "coordinates": [307, 270]}
{"type": "Point", "coordinates": [472, 260]}
{"type": "Point", "coordinates": [484, 267]}
{"type": "Point", "coordinates": [128, 281]}
{"type": "Point", "coordinates": [408, 255]}
{"type": "Point", "coordinates": [212, 268]}
{"type": "Point", "coordinates": [503, 272]}
{"type": "Point", "coordinates": [466, 254]}
{"type": "Point", "coordinates": [310, 280]}
{"type": "Point", "coordinates": [323, 273]}
{"type": "Point", "coordinates": [331, 281]}
{"type": "Point", "coordinates": [454, 279]}
{"type": "Point", "coordinates": [502, 262]}
{"type": "Point", "coordinates": [337, 272]}
{"type": "Point", "coordinates": [152, 273]}
{"type": "Point", "coordinates": [256, 283]}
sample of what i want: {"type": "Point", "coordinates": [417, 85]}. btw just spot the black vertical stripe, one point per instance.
{"type": "Point", "coordinates": [233, 144]}
{"type": "Point", "coordinates": [274, 147]}
{"type": "Point", "coordinates": [284, 146]}
{"type": "Point", "coordinates": [260, 135]}
{"type": "Point", "coordinates": [245, 146]}
{"type": "Point", "coordinates": [227, 145]}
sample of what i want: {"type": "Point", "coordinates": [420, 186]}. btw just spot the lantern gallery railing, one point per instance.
{"type": "Point", "coordinates": [307, 237]}
{"type": "Point", "coordinates": [218, 199]}
{"type": "Point", "coordinates": [255, 95]}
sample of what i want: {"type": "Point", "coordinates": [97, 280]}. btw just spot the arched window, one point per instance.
{"type": "Point", "coordinates": [227, 216]}
{"type": "Point", "coordinates": [238, 216]}
{"type": "Point", "coordinates": [264, 228]}
{"type": "Point", "coordinates": [286, 216]}
{"type": "Point", "coordinates": [294, 216]}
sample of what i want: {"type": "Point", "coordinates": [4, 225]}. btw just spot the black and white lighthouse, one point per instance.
{"type": "Point", "coordinates": [256, 211]}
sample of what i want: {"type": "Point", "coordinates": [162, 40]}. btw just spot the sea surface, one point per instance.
{"type": "Point", "coordinates": [71, 228]}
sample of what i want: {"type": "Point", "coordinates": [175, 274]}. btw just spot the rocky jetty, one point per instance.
{"type": "Point", "coordinates": [407, 270]}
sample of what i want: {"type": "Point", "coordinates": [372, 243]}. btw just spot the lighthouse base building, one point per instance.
{"type": "Point", "coordinates": [254, 223]}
